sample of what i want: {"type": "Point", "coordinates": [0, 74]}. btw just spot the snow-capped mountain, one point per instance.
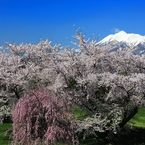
{"type": "Point", "coordinates": [123, 40]}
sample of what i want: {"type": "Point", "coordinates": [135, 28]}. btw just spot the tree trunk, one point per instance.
{"type": "Point", "coordinates": [126, 119]}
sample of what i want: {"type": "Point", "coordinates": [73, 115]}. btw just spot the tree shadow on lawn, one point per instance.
{"type": "Point", "coordinates": [135, 136]}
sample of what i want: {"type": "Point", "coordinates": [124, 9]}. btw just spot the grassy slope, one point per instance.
{"type": "Point", "coordinates": [139, 118]}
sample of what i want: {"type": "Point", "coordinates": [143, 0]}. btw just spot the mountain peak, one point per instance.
{"type": "Point", "coordinates": [122, 36]}
{"type": "Point", "coordinates": [121, 32]}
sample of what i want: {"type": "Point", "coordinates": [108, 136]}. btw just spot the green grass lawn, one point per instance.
{"type": "Point", "coordinates": [5, 139]}
{"type": "Point", "coordinates": [135, 137]}
{"type": "Point", "coordinates": [139, 118]}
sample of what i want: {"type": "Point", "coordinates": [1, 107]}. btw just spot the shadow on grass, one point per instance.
{"type": "Point", "coordinates": [135, 136]}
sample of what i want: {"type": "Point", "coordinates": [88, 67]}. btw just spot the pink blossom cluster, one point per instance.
{"type": "Point", "coordinates": [42, 117]}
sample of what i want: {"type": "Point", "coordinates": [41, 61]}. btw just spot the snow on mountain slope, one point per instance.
{"type": "Point", "coordinates": [123, 40]}
{"type": "Point", "coordinates": [122, 36]}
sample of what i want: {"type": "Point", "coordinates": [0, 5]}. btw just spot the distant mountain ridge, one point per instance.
{"type": "Point", "coordinates": [123, 40]}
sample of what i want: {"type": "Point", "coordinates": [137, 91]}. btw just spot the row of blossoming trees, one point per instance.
{"type": "Point", "coordinates": [41, 85]}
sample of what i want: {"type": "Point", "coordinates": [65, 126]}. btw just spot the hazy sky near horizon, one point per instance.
{"type": "Point", "coordinates": [28, 21]}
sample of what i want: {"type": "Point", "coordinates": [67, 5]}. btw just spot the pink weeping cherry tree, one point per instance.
{"type": "Point", "coordinates": [42, 117]}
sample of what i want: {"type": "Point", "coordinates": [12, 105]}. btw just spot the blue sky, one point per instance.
{"type": "Point", "coordinates": [28, 21]}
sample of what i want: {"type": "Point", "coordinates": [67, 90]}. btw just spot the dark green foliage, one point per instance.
{"type": "Point", "coordinates": [7, 119]}
{"type": "Point", "coordinates": [71, 83]}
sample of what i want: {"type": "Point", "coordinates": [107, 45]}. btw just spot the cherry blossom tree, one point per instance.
{"type": "Point", "coordinates": [22, 68]}
{"type": "Point", "coordinates": [41, 117]}
{"type": "Point", "coordinates": [108, 85]}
